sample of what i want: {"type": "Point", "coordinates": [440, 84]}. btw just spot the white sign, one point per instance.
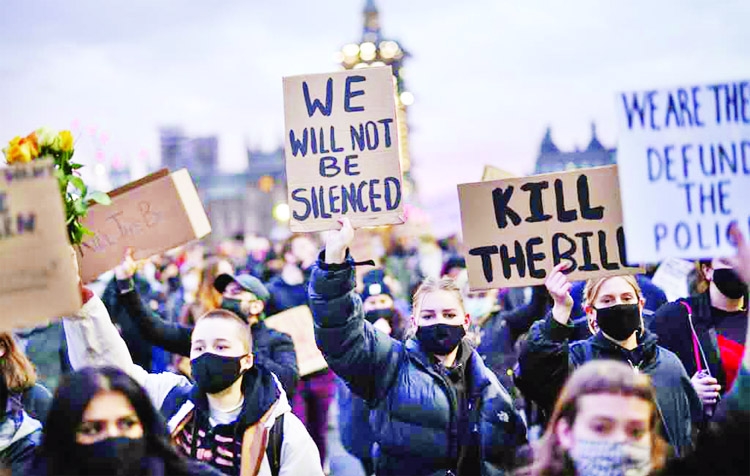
{"type": "Point", "coordinates": [684, 163]}
{"type": "Point", "coordinates": [672, 278]}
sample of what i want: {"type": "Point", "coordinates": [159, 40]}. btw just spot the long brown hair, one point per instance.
{"type": "Point", "coordinates": [17, 369]}
{"type": "Point", "coordinates": [595, 377]}
{"type": "Point", "coordinates": [207, 295]}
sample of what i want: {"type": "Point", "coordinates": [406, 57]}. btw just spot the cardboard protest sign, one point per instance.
{"type": "Point", "coordinates": [516, 230]}
{"type": "Point", "coordinates": [684, 157]}
{"type": "Point", "coordinates": [672, 277]}
{"type": "Point", "coordinates": [151, 215]}
{"type": "Point", "coordinates": [298, 323]}
{"type": "Point", "coordinates": [341, 149]}
{"type": "Point", "coordinates": [493, 173]}
{"type": "Point", "coordinates": [38, 279]}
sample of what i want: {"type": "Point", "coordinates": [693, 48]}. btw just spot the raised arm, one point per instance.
{"type": "Point", "coordinates": [544, 360]}
{"type": "Point", "coordinates": [367, 359]}
{"type": "Point", "coordinates": [170, 336]}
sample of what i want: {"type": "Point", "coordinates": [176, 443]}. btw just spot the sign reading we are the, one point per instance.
{"type": "Point", "coordinates": [341, 148]}
{"type": "Point", "coordinates": [684, 157]}
{"type": "Point", "coordinates": [516, 230]}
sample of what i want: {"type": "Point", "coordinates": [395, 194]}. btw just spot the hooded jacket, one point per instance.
{"type": "Point", "coordinates": [415, 415]}
{"type": "Point", "coordinates": [549, 357]}
{"type": "Point", "coordinates": [94, 341]}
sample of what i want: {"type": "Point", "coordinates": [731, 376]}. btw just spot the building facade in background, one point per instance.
{"type": "Point", "coordinates": [375, 50]}
{"type": "Point", "coordinates": [552, 159]}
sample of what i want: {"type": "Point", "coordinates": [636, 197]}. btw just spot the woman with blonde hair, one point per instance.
{"type": "Point", "coordinates": [613, 307]}
{"type": "Point", "coordinates": [606, 421]}
{"type": "Point", "coordinates": [21, 379]}
{"type": "Point", "coordinates": [436, 408]}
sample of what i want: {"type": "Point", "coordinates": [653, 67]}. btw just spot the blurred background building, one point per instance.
{"type": "Point", "coordinates": [552, 159]}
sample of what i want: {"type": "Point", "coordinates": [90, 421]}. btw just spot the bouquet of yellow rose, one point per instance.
{"type": "Point", "coordinates": [45, 143]}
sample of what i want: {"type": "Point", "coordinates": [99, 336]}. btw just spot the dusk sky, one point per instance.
{"type": "Point", "coordinates": [488, 76]}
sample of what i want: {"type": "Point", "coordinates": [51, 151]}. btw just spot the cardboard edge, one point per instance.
{"type": "Point", "coordinates": [187, 192]}
{"type": "Point", "coordinates": [142, 181]}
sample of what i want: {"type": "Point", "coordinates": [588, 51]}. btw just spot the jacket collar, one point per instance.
{"type": "Point", "coordinates": [644, 354]}
{"type": "Point", "coordinates": [261, 390]}
{"type": "Point", "coordinates": [470, 360]}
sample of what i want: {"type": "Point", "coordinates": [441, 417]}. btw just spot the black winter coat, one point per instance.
{"type": "Point", "coordinates": [414, 415]}
{"type": "Point", "coordinates": [549, 357]}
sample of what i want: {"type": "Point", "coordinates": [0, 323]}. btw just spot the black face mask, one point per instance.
{"type": "Point", "coordinates": [116, 456]}
{"type": "Point", "coordinates": [440, 339]}
{"type": "Point", "coordinates": [374, 316]}
{"type": "Point", "coordinates": [235, 306]}
{"type": "Point", "coordinates": [620, 321]}
{"type": "Point", "coordinates": [729, 283]}
{"type": "Point", "coordinates": [214, 373]}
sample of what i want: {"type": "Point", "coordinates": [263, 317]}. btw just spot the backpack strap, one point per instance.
{"type": "Point", "coordinates": [174, 408]}
{"type": "Point", "coordinates": [273, 450]}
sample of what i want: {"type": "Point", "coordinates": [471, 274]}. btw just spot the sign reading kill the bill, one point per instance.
{"type": "Point", "coordinates": [516, 230]}
{"type": "Point", "coordinates": [684, 157]}
{"type": "Point", "coordinates": [341, 149]}
{"type": "Point", "coordinates": [38, 279]}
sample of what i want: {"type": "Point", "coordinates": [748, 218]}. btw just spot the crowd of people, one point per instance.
{"type": "Point", "coordinates": [169, 368]}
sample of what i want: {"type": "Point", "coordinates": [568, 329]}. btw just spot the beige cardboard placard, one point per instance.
{"type": "Point", "coordinates": [298, 323]}
{"type": "Point", "coordinates": [516, 230]}
{"type": "Point", "coordinates": [38, 279]}
{"type": "Point", "coordinates": [341, 149]}
{"type": "Point", "coordinates": [151, 215]}
{"type": "Point", "coordinates": [494, 173]}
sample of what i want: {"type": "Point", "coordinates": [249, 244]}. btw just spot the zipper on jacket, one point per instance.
{"type": "Point", "coordinates": [453, 435]}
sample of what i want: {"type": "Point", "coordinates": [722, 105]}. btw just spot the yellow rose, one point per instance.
{"type": "Point", "coordinates": [22, 150]}
{"type": "Point", "coordinates": [47, 137]}
{"type": "Point", "coordinates": [65, 139]}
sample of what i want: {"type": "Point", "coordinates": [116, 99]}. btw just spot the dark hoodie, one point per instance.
{"type": "Point", "coordinates": [219, 445]}
{"type": "Point", "coordinates": [548, 358]}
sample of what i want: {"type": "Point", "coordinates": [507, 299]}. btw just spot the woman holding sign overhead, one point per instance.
{"type": "Point", "coordinates": [614, 307]}
{"type": "Point", "coordinates": [437, 409]}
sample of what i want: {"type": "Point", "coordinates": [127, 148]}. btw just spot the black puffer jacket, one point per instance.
{"type": "Point", "coordinates": [549, 357]}
{"type": "Point", "coordinates": [415, 411]}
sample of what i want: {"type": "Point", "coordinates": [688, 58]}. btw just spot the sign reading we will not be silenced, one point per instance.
{"type": "Point", "coordinates": [341, 149]}
{"type": "Point", "coordinates": [684, 158]}
{"type": "Point", "coordinates": [516, 230]}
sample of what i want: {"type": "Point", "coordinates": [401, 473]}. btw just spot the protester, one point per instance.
{"type": "Point", "coordinates": [244, 295]}
{"type": "Point", "coordinates": [102, 422]}
{"type": "Point", "coordinates": [706, 330]}
{"type": "Point", "coordinates": [436, 408]}
{"type": "Point", "coordinates": [379, 305]}
{"type": "Point", "coordinates": [605, 422]}
{"type": "Point", "coordinates": [722, 447]}
{"type": "Point", "coordinates": [207, 298]}
{"type": "Point", "coordinates": [235, 417]}
{"type": "Point", "coordinates": [496, 332]}
{"type": "Point", "coordinates": [289, 289]}
{"type": "Point", "coordinates": [24, 403]}
{"type": "Point", "coordinates": [613, 307]}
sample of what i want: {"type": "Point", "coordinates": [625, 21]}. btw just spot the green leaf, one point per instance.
{"type": "Point", "coordinates": [79, 206]}
{"type": "Point", "coordinates": [100, 197]}
{"type": "Point", "coordinates": [78, 183]}
{"type": "Point", "coordinates": [75, 166]}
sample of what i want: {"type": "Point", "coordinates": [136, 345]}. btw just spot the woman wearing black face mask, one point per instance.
{"type": "Point", "coordinates": [437, 409]}
{"type": "Point", "coordinates": [102, 422]}
{"type": "Point", "coordinates": [613, 307]}
{"type": "Point", "coordinates": [706, 330]}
